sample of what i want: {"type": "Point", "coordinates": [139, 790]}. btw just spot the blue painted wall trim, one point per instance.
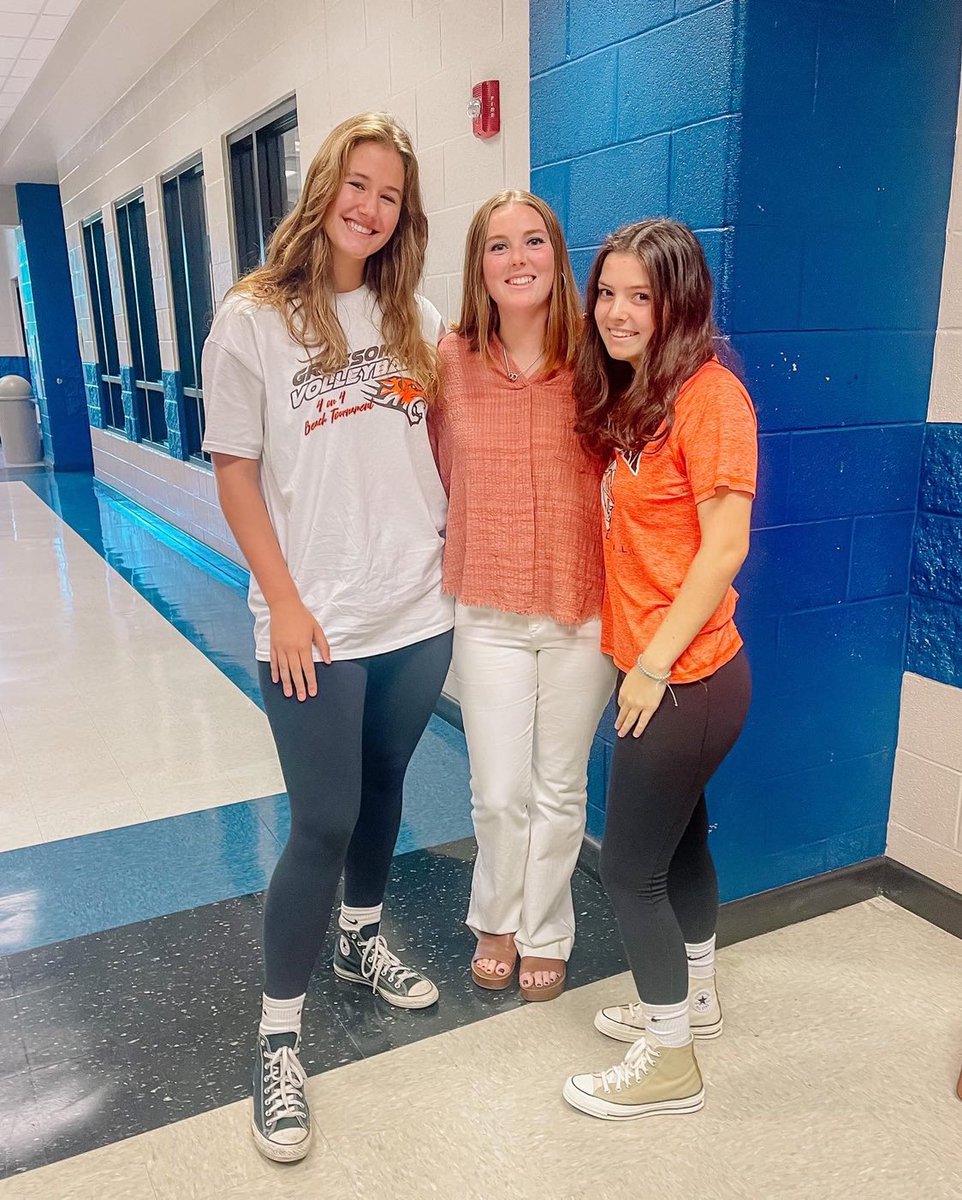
{"type": "Point", "coordinates": [177, 441]}
{"type": "Point", "coordinates": [935, 624]}
{"type": "Point", "coordinates": [799, 140]}
{"type": "Point", "coordinates": [51, 325]}
{"type": "Point", "coordinates": [94, 387]}
{"type": "Point", "coordinates": [128, 396]}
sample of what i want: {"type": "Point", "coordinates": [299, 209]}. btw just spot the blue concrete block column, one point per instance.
{"type": "Point", "coordinates": [800, 141]}
{"type": "Point", "coordinates": [15, 364]}
{"type": "Point", "coordinates": [51, 322]}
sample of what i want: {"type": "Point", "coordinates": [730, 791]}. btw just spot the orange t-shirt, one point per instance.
{"type": "Point", "coordinates": [651, 521]}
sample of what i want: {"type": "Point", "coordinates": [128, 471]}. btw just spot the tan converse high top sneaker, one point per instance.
{"type": "Point", "coordinates": [654, 1080]}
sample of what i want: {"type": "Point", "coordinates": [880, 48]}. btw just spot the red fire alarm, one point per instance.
{"type": "Point", "coordinates": [485, 109]}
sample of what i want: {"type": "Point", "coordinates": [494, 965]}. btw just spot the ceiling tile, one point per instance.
{"type": "Point", "coordinates": [50, 26]}
{"type": "Point", "coordinates": [15, 87]}
{"type": "Point", "coordinates": [34, 47]}
{"type": "Point", "coordinates": [21, 6]}
{"type": "Point", "coordinates": [16, 24]}
{"type": "Point", "coordinates": [25, 68]}
{"type": "Point", "coordinates": [61, 8]}
{"type": "Point", "coordinates": [10, 47]}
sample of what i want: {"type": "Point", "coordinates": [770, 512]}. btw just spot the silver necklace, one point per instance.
{"type": "Point", "coordinates": [513, 375]}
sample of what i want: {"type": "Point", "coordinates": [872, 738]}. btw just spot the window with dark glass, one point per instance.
{"type": "Point", "coordinates": [141, 318]}
{"type": "Point", "coordinates": [190, 280]}
{"type": "Point", "coordinates": [265, 180]}
{"type": "Point", "coordinates": [102, 314]}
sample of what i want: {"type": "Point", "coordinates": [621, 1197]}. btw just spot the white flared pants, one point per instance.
{"type": "Point", "coordinates": [531, 692]}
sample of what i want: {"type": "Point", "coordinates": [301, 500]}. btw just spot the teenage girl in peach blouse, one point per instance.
{"type": "Point", "coordinates": [523, 558]}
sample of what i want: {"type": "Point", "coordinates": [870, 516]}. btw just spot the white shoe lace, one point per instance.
{"type": "Point", "coordinates": [378, 961]}
{"type": "Point", "coordinates": [637, 1063]}
{"type": "Point", "coordinates": [284, 1087]}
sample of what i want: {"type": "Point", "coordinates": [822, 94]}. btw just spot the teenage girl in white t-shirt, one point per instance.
{"type": "Point", "coordinates": [316, 376]}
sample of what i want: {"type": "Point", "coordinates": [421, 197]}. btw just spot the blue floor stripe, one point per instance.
{"type": "Point", "coordinates": [83, 885]}
{"type": "Point", "coordinates": [61, 890]}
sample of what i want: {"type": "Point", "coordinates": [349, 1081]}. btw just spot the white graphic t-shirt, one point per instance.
{"type": "Point", "coordinates": [346, 472]}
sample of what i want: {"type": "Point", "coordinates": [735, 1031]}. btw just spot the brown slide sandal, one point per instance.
{"type": "Point", "coordinates": [491, 946]}
{"type": "Point", "coordinates": [534, 994]}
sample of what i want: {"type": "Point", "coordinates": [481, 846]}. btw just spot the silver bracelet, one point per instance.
{"type": "Point", "coordinates": [657, 679]}
{"type": "Point", "coordinates": [650, 674]}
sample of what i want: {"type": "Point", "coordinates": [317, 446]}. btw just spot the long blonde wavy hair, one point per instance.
{"type": "Point", "coordinates": [297, 275]}
{"type": "Point", "coordinates": [479, 314]}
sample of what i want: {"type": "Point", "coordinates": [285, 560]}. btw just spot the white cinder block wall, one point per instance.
{"type": "Point", "coordinates": [415, 58]}
{"type": "Point", "coordinates": [925, 820]}
{"type": "Point", "coordinates": [11, 337]}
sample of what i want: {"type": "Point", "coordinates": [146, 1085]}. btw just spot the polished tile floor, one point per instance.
{"type": "Point", "coordinates": [834, 1080]}
{"type": "Point", "coordinates": [108, 715]}
{"type": "Point", "coordinates": [141, 815]}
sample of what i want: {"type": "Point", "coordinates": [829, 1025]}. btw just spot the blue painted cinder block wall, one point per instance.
{"type": "Point", "coordinates": [51, 327]}
{"type": "Point", "coordinates": [14, 364]}
{"type": "Point", "coordinates": [810, 145]}
{"type": "Point", "coordinates": [935, 624]}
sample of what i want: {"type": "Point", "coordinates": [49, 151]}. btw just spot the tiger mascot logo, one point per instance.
{"type": "Point", "coordinates": [403, 394]}
{"type": "Point", "coordinates": [632, 461]}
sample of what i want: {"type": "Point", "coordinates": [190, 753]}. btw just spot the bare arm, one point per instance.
{"type": "Point", "coordinates": [724, 519]}
{"type": "Point", "coordinates": [293, 628]}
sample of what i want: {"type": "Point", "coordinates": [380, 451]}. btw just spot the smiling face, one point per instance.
{"type": "Point", "coordinates": [365, 211]}
{"type": "Point", "coordinates": [518, 264]}
{"type": "Point", "coordinates": [624, 312]}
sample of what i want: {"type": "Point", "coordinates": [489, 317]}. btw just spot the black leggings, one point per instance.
{"type": "Point", "coordinates": [655, 861]}
{"type": "Point", "coordinates": [343, 753]}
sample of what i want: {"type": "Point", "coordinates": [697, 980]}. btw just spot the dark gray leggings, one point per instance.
{"type": "Point", "coordinates": [655, 861]}
{"type": "Point", "coordinates": [343, 753]}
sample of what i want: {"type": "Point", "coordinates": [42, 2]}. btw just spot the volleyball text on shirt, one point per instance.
{"type": "Point", "coordinates": [328, 393]}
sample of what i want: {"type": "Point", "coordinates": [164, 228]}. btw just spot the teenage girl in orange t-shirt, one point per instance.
{"type": "Point", "coordinates": [678, 432]}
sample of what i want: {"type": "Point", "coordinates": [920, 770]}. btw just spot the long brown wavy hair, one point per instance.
{"type": "Point", "coordinates": [618, 406]}
{"type": "Point", "coordinates": [479, 314]}
{"type": "Point", "coordinates": [297, 276]}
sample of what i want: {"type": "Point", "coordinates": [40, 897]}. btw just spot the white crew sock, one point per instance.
{"type": "Point", "coordinates": [281, 1016]}
{"type": "Point", "coordinates": [701, 958]}
{"type": "Point", "coordinates": [667, 1023]}
{"type": "Point", "coordinates": [357, 919]}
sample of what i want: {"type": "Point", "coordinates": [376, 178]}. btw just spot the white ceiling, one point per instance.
{"type": "Point", "coordinates": [64, 63]}
{"type": "Point", "coordinates": [28, 32]}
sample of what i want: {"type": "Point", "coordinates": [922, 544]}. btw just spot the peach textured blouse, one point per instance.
{"type": "Point", "coordinates": [524, 522]}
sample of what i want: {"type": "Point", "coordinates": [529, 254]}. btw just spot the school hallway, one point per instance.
{"type": "Point", "coordinates": [143, 811]}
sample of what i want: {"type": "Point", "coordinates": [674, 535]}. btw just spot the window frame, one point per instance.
{"type": "Point", "coordinates": [97, 289]}
{"type": "Point", "coordinates": [252, 229]}
{"type": "Point", "coordinates": [189, 336]}
{"type": "Point", "coordinates": [131, 260]}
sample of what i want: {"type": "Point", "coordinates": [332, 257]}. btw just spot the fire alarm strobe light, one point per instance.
{"type": "Point", "coordinates": [485, 108]}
